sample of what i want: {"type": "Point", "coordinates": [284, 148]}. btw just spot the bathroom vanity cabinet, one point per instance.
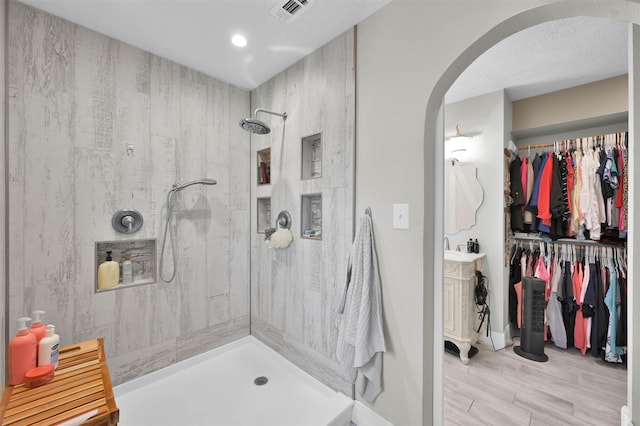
{"type": "Point", "coordinates": [460, 313]}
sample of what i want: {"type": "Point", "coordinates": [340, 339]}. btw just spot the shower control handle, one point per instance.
{"type": "Point", "coordinates": [127, 221]}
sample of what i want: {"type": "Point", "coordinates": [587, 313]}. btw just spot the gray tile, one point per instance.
{"type": "Point", "coordinates": [293, 290]}
{"type": "Point", "coordinates": [205, 339]}
{"type": "Point", "coordinates": [77, 99]}
{"type": "Point", "coordinates": [134, 364]}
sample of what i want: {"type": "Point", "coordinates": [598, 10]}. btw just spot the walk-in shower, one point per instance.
{"type": "Point", "coordinates": [167, 226]}
{"type": "Point", "coordinates": [253, 125]}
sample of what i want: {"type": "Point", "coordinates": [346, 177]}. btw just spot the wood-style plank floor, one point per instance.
{"type": "Point", "coordinates": [502, 388]}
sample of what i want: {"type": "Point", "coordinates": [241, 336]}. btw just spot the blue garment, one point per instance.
{"type": "Point", "coordinates": [611, 300]}
{"type": "Point", "coordinates": [533, 203]}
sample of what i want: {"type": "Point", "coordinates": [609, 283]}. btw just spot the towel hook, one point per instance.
{"type": "Point", "coordinates": [367, 211]}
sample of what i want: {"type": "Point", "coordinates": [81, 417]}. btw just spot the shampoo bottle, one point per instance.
{"type": "Point", "coordinates": [127, 270]}
{"type": "Point", "coordinates": [22, 353]}
{"type": "Point", "coordinates": [48, 348]}
{"type": "Point", "coordinates": [108, 273]}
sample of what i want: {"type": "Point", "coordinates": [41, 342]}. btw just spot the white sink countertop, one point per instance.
{"type": "Point", "coordinates": [460, 256]}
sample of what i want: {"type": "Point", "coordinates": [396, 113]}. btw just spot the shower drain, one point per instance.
{"type": "Point", "coordinates": [259, 381]}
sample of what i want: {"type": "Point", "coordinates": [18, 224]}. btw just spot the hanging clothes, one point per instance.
{"type": "Point", "coordinates": [613, 352]}
{"type": "Point", "coordinates": [580, 331]}
{"type": "Point", "coordinates": [554, 310]}
{"type": "Point", "coordinates": [515, 276]}
{"type": "Point", "coordinates": [517, 204]}
{"type": "Point", "coordinates": [585, 295]}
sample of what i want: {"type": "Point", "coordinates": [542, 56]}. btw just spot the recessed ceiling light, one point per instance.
{"type": "Point", "coordinates": [239, 40]}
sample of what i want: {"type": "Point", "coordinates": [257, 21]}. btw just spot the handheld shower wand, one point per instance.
{"type": "Point", "coordinates": [170, 198]}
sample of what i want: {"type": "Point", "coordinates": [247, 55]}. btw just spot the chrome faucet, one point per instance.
{"type": "Point", "coordinates": [446, 243]}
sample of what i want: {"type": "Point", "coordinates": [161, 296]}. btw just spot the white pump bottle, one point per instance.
{"type": "Point", "coordinates": [48, 348]}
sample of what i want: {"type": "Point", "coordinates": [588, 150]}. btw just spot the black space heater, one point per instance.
{"type": "Point", "coordinates": [532, 332]}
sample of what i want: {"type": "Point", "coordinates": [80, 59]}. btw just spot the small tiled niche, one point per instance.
{"type": "Point", "coordinates": [264, 214]}
{"type": "Point", "coordinates": [264, 166]}
{"type": "Point", "coordinates": [143, 259]}
{"type": "Point", "coordinates": [312, 156]}
{"type": "Point", "coordinates": [312, 216]}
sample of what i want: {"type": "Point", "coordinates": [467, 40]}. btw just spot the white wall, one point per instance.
{"type": "Point", "coordinates": [483, 118]}
{"type": "Point", "coordinates": [409, 54]}
{"type": "Point", "coordinates": [3, 204]}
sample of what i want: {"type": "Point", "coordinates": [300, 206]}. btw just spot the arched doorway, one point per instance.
{"type": "Point", "coordinates": [434, 138]}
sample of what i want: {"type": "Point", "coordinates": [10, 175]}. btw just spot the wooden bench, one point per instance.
{"type": "Point", "coordinates": [81, 384]}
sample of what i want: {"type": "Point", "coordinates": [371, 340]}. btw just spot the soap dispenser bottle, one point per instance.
{"type": "Point", "coordinates": [127, 270]}
{"type": "Point", "coordinates": [22, 353]}
{"type": "Point", "coordinates": [48, 348]}
{"type": "Point", "coordinates": [108, 273]}
{"type": "Point", "coordinates": [38, 329]}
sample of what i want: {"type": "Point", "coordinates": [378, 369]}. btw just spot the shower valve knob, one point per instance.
{"type": "Point", "coordinates": [127, 221]}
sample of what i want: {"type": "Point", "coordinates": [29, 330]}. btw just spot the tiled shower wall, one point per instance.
{"type": "Point", "coordinates": [293, 290]}
{"type": "Point", "coordinates": [76, 99]}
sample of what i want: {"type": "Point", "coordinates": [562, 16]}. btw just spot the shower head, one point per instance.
{"type": "Point", "coordinates": [253, 125]}
{"type": "Point", "coordinates": [179, 187]}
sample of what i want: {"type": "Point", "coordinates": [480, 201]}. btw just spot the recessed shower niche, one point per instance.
{"type": "Point", "coordinates": [143, 259]}
{"type": "Point", "coordinates": [264, 214]}
{"type": "Point", "coordinates": [312, 156]}
{"type": "Point", "coordinates": [312, 216]}
{"type": "Point", "coordinates": [264, 166]}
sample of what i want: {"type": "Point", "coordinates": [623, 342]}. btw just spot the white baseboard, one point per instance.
{"type": "Point", "coordinates": [364, 416]}
{"type": "Point", "coordinates": [500, 340]}
{"type": "Point", "coordinates": [625, 420]}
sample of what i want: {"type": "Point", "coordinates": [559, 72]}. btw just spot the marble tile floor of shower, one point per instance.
{"type": "Point", "coordinates": [502, 388]}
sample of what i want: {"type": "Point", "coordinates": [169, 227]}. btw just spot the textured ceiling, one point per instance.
{"type": "Point", "coordinates": [546, 58]}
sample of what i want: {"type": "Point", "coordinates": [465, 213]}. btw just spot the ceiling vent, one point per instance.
{"type": "Point", "coordinates": [290, 10]}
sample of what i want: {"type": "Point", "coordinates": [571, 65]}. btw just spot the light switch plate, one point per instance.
{"type": "Point", "coordinates": [401, 216]}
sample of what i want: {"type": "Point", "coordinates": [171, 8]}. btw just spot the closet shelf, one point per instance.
{"type": "Point", "coordinates": [540, 238]}
{"type": "Point", "coordinates": [571, 126]}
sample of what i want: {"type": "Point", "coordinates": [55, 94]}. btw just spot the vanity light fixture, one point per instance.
{"type": "Point", "coordinates": [457, 141]}
{"type": "Point", "coordinates": [459, 136]}
{"type": "Point", "coordinates": [239, 40]}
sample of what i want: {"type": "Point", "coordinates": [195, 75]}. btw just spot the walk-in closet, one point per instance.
{"type": "Point", "coordinates": [553, 167]}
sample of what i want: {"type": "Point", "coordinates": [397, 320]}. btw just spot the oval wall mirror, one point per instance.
{"type": "Point", "coordinates": [463, 196]}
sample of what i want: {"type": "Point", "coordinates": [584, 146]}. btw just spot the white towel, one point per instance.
{"type": "Point", "coordinates": [360, 337]}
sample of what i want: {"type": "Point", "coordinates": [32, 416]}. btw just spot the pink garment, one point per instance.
{"type": "Point", "coordinates": [580, 328]}
{"type": "Point", "coordinates": [518, 289]}
{"type": "Point", "coordinates": [523, 176]}
{"type": "Point", "coordinates": [587, 321]}
{"type": "Point", "coordinates": [530, 268]}
{"type": "Point", "coordinates": [543, 274]}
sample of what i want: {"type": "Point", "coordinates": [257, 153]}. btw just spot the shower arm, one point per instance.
{"type": "Point", "coordinates": [266, 111]}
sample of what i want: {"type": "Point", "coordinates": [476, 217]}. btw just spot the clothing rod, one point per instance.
{"type": "Point", "coordinates": [534, 238]}
{"type": "Point", "coordinates": [540, 145]}
{"type": "Point", "coordinates": [564, 142]}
